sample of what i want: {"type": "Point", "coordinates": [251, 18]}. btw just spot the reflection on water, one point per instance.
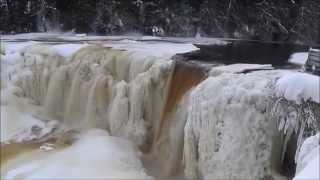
{"type": "Point", "coordinates": [241, 51]}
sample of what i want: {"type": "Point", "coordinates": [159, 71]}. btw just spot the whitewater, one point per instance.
{"type": "Point", "coordinates": [122, 108]}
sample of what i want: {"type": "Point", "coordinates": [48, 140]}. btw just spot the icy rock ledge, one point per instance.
{"type": "Point", "coordinates": [229, 133]}
{"type": "Point", "coordinates": [299, 87]}
{"type": "Point", "coordinates": [239, 68]}
{"type": "Point", "coordinates": [239, 124]}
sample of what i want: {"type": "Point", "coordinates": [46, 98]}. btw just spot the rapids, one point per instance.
{"type": "Point", "coordinates": [116, 110]}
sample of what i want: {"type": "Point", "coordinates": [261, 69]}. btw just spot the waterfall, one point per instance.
{"type": "Point", "coordinates": [229, 132]}
{"type": "Point", "coordinates": [233, 131]}
{"type": "Point", "coordinates": [185, 76]}
{"type": "Point", "coordinates": [54, 101]}
{"type": "Point", "coordinates": [88, 90]}
{"type": "Point", "coordinates": [186, 122]}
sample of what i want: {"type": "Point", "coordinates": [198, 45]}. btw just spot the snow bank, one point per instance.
{"type": "Point", "coordinates": [163, 49]}
{"type": "Point", "coordinates": [96, 155]}
{"type": "Point", "coordinates": [20, 126]}
{"type": "Point", "coordinates": [30, 36]}
{"type": "Point", "coordinates": [308, 161]}
{"type": "Point", "coordinates": [299, 58]}
{"type": "Point", "coordinates": [14, 47]}
{"type": "Point", "coordinates": [311, 171]}
{"type": "Point", "coordinates": [238, 68]}
{"type": "Point", "coordinates": [299, 87]}
{"type": "Point", "coordinates": [150, 38]}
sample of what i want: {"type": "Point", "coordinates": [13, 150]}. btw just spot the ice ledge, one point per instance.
{"type": "Point", "coordinates": [299, 87]}
{"type": "Point", "coordinates": [239, 68]}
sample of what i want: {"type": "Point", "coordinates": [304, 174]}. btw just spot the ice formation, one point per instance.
{"type": "Point", "coordinates": [185, 121]}
{"type": "Point", "coordinates": [299, 58]}
{"type": "Point", "coordinates": [122, 92]}
{"type": "Point", "coordinates": [299, 87]}
{"type": "Point", "coordinates": [229, 110]}
{"type": "Point", "coordinates": [229, 133]}
{"type": "Point", "coordinates": [93, 85]}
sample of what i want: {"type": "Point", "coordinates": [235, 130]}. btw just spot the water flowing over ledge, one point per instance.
{"type": "Point", "coordinates": [156, 116]}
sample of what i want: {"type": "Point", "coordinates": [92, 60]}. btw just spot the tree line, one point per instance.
{"type": "Point", "coordinates": [272, 20]}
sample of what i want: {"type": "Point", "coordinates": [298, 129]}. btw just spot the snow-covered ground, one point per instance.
{"type": "Point", "coordinates": [299, 87]}
{"type": "Point", "coordinates": [163, 49]}
{"type": "Point", "coordinates": [96, 155]}
{"type": "Point", "coordinates": [299, 58]}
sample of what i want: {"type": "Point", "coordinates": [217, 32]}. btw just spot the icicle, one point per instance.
{"type": "Point", "coordinates": [300, 140]}
{"type": "Point", "coordinates": [285, 143]}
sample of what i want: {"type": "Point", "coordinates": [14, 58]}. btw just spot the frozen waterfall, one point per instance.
{"type": "Point", "coordinates": [65, 107]}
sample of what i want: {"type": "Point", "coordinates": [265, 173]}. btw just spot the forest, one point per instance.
{"type": "Point", "coordinates": [295, 21]}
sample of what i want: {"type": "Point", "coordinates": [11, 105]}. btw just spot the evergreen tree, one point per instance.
{"type": "Point", "coordinates": [287, 20]}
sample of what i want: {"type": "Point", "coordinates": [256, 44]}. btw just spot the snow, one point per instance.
{"type": "Point", "coordinates": [150, 38]}
{"type": "Point", "coordinates": [96, 155]}
{"type": "Point", "coordinates": [16, 47]}
{"type": "Point", "coordinates": [299, 87]}
{"type": "Point", "coordinates": [315, 50]}
{"type": "Point", "coordinates": [308, 161]}
{"type": "Point", "coordinates": [299, 58]}
{"type": "Point", "coordinates": [238, 68]}
{"type": "Point", "coordinates": [29, 36]}
{"type": "Point", "coordinates": [311, 171]}
{"type": "Point", "coordinates": [67, 50]}
{"type": "Point", "coordinates": [164, 49]}
{"type": "Point", "coordinates": [20, 126]}
{"type": "Point", "coordinates": [309, 150]}
{"type": "Point", "coordinates": [81, 35]}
